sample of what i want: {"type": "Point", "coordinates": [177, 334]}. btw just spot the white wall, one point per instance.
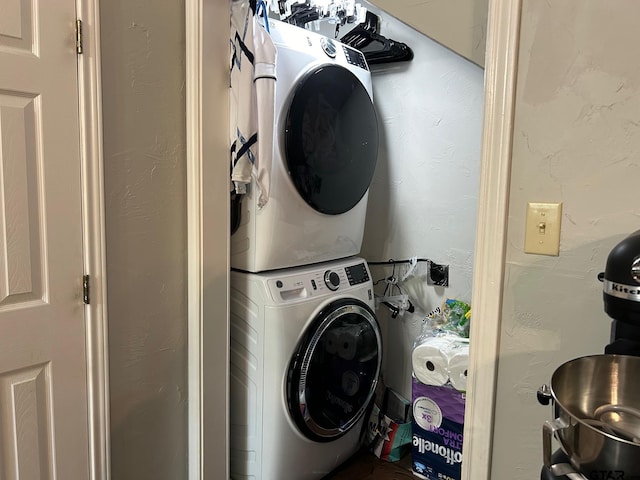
{"type": "Point", "coordinates": [143, 54]}
{"type": "Point", "coordinates": [460, 25]}
{"type": "Point", "coordinates": [576, 141]}
{"type": "Point", "coordinates": [423, 198]}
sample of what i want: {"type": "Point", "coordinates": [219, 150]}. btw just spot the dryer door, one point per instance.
{"type": "Point", "coordinates": [331, 139]}
{"type": "Point", "coordinates": [333, 374]}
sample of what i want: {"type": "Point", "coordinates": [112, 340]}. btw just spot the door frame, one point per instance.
{"type": "Point", "coordinates": [209, 431]}
{"type": "Point", "coordinates": [491, 235]}
{"type": "Point", "coordinates": [93, 227]}
{"type": "Point", "coordinates": [208, 224]}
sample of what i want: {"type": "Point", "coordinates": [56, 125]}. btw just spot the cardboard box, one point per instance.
{"type": "Point", "coordinates": [388, 434]}
{"type": "Point", "coordinates": [438, 421]}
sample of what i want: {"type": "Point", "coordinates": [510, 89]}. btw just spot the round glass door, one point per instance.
{"type": "Point", "coordinates": [333, 374]}
{"type": "Point", "coordinates": [331, 140]}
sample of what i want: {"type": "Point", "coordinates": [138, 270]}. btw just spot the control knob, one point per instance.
{"type": "Point", "coordinates": [328, 46]}
{"type": "Point", "coordinates": [331, 280]}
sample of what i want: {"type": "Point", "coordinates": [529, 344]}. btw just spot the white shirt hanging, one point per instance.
{"type": "Point", "coordinates": [253, 76]}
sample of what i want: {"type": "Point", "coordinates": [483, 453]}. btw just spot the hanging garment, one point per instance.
{"type": "Point", "coordinates": [253, 76]}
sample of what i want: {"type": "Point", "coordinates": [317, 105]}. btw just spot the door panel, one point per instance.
{"type": "Point", "coordinates": [43, 372]}
{"type": "Point", "coordinates": [26, 413]}
{"type": "Point", "coordinates": [20, 255]}
{"type": "Point", "coordinates": [17, 25]}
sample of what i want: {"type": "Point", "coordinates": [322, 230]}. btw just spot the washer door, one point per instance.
{"type": "Point", "coordinates": [331, 139]}
{"type": "Point", "coordinates": [333, 374]}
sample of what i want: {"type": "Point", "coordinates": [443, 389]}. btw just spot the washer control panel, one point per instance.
{"type": "Point", "coordinates": [288, 286]}
{"type": "Point", "coordinates": [357, 274]}
{"type": "Point", "coordinates": [332, 280]}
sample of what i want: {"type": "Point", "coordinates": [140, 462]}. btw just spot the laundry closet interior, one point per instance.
{"type": "Point", "coordinates": [354, 223]}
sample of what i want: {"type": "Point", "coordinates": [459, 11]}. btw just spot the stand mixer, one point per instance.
{"type": "Point", "coordinates": [621, 295]}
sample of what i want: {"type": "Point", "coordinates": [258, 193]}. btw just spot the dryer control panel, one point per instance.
{"type": "Point", "coordinates": [355, 57]}
{"type": "Point", "coordinates": [286, 285]}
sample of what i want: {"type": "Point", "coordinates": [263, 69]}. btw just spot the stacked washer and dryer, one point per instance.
{"type": "Point", "coordinates": [306, 348]}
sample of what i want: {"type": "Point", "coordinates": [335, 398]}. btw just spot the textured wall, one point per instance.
{"type": "Point", "coordinates": [424, 194]}
{"type": "Point", "coordinates": [460, 25]}
{"type": "Point", "coordinates": [144, 156]}
{"type": "Point", "coordinates": [576, 141]}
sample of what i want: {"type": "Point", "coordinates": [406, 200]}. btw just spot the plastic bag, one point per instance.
{"type": "Point", "coordinates": [454, 316]}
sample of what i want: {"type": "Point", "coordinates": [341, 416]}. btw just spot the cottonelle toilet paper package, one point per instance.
{"type": "Point", "coordinates": [438, 422]}
{"type": "Point", "coordinates": [440, 360]}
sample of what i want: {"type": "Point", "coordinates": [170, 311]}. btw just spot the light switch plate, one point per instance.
{"type": "Point", "coordinates": [542, 231]}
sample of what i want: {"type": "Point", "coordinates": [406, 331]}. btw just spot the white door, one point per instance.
{"type": "Point", "coordinates": [43, 379]}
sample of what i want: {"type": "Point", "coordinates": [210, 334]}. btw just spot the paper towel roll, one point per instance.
{"type": "Point", "coordinates": [331, 340]}
{"type": "Point", "coordinates": [458, 365]}
{"type": "Point", "coordinates": [430, 361]}
{"type": "Point", "coordinates": [348, 342]}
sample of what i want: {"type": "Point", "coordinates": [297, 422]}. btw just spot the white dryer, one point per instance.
{"type": "Point", "coordinates": [305, 358]}
{"type": "Point", "coordinates": [325, 152]}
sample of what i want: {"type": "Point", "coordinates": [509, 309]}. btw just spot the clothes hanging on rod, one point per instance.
{"type": "Point", "coordinates": [252, 107]}
{"type": "Point", "coordinates": [301, 14]}
{"type": "Point", "coordinates": [336, 12]}
{"type": "Point", "coordinates": [376, 48]}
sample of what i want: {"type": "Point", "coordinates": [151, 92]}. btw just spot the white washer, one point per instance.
{"type": "Point", "coordinates": [305, 358]}
{"type": "Point", "coordinates": [325, 152]}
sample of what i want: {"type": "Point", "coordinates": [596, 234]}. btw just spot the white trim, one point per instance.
{"type": "Point", "coordinates": [493, 203]}
{"type": "Point", "coordinates": [207, 99]}
{"type": "Point", "coordinates": [193, 32]}
{"type": "Point", "coordinates": [90, 111]}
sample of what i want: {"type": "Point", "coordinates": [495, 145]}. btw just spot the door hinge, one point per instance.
{"type": "Point", "coordinates": [79, 37]}
{"type": "Point", "coordinates": [85, 289]}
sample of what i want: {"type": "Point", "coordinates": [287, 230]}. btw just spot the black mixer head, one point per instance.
{"type": "Point", "coordinates": [621, 278]}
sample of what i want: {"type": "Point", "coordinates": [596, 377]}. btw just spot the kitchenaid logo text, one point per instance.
{"type": "Point", "coordinates": [620, 290]}
{"type": "Point", "coordinates": [423, 445]}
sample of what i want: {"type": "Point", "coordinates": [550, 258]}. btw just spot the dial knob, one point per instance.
{"type": "Point", "coordinates": [331, 280]}
{"type": "Point", "coordinates": [328, 46]}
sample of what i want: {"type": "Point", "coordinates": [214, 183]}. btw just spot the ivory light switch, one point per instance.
{"type": "Point", "coordinates": [542, 231]}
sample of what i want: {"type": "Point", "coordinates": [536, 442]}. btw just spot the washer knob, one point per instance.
{"type": "Point", "coordinates": [331, 280]}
